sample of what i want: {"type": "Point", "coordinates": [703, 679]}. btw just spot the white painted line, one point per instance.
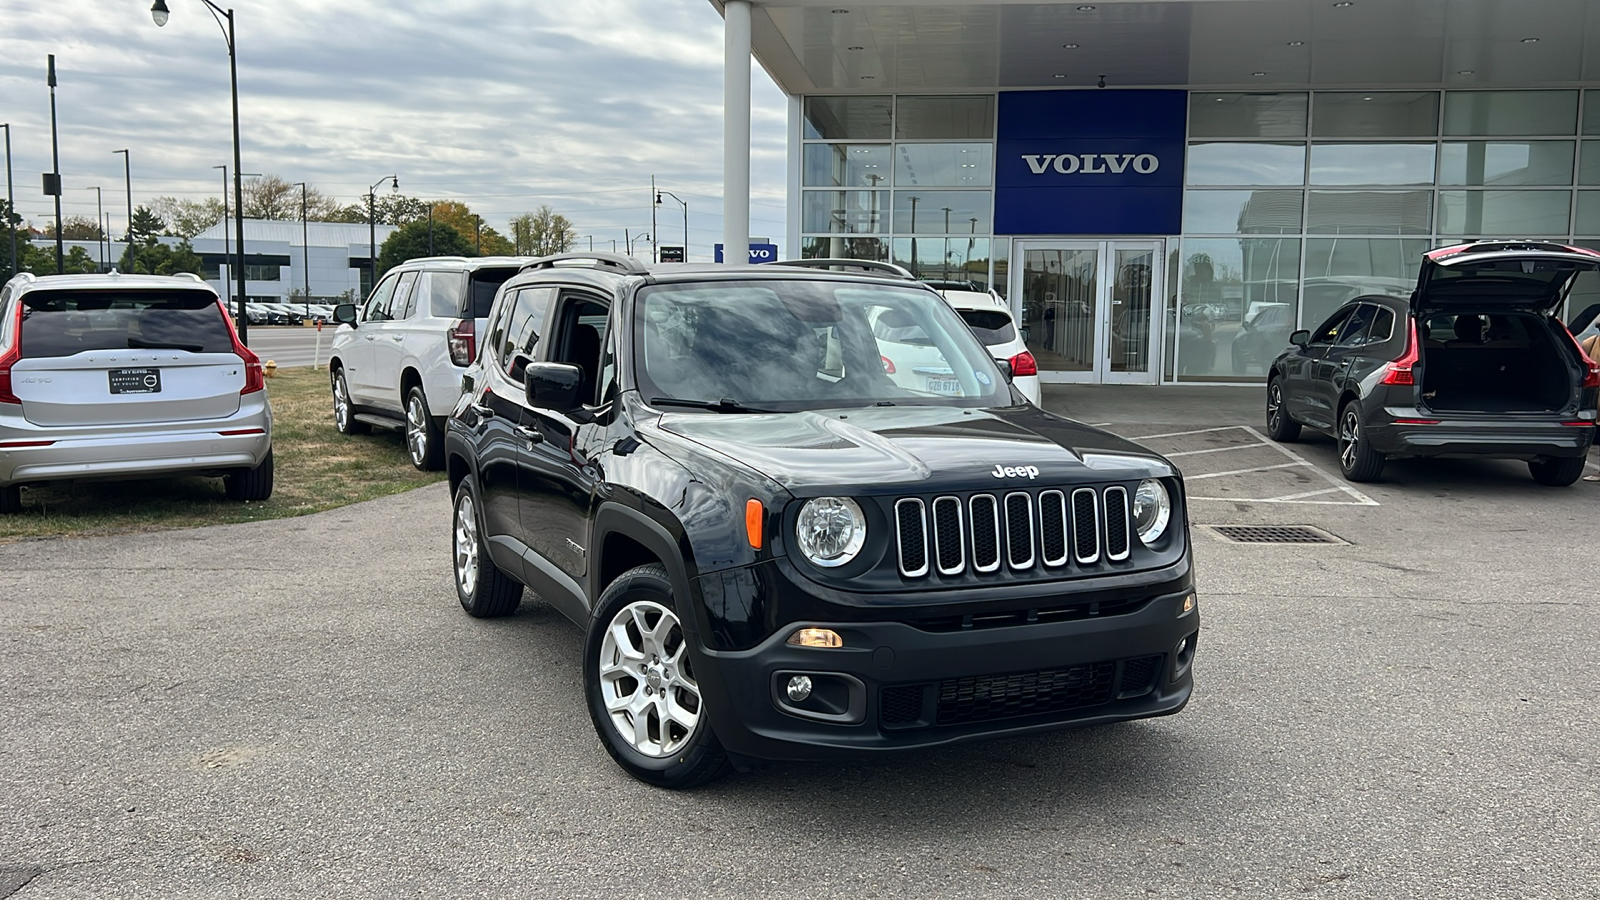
{"type": "Point", "coordinates": [1359, 497]}
{"type": "Point", "coordinates": [1101, 424]}
{"type": "Point", "coordinates": [1275, 500]}
{"type": "Point", "coordinates": [1151, 437]}
{"type": "Point", "coordinates": [1291, 465]}
{"type": "Point", "coordinates": [1212, 450]}
{"type": "Point", "coordinates": [1287, 497]}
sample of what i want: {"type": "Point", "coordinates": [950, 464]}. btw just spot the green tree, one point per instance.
{"type": "Point", "coordinates": [391, 209]}
{"type": "Point", "coordinates": [146, 226]}
{"type": "Point", "coordinates": [155, 258]}
{"type": "Point", "coordinates": [411, 242]}
{"type": "Point", "coordinates": [40, 259]}
{"type": "Point", "coordinates": [187, 218]}
{"type": "Point", "coordinates": [461, 217]}
{"type": "Point", "coordinates": [76, 228]}
{"type": "Point", "coordinates": [542, 233]}
{"type": "Point", "coordinates": [10, 229]}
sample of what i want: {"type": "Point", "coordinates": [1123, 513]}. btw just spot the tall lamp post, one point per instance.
{"type": "Point", "coordinates": [159, 13]}
{"type": "Point", "coordinates": [635, 239]}
{"type": "Point", "coordinates": [685, 206]}
{"type": "Point", "coordinates": [11, 201]}
{"type": "Point", "coordinates": [372, 225]}
{"type": "Point", "coordinates": [99, 214]}
{"type": "Point", "coordinates": [127, 181]}
{"type": "Point", "coordinates": [305, 246]}
{"type": "Point", "coordinates": [225, 251]}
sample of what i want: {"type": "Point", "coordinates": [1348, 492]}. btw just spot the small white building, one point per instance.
{"type": "Point", "coordinates": [278, 256]}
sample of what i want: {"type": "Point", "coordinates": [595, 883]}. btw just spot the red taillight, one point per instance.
{"type": "Point", "coordinates": [1573, 424]}
{"type": "Point", "coordinates": [1399, 371]}
{"type": "Point", "coordinates": [7, 360]}
{"type": "Point", "coordinates": [888, 365]}
{"type": "Point", "coordinates": [1024, 364]}
{"type": "Point", "coordinates": [10, 445]}
{"type": "Point", "coordinates": [254, 380]}
{"type": "Point", "coordinates": [1416, 421]}
{"type": "Point", "coordinates": [1591, 373]}
{"type": "Point", "coordinates": [238, 431]}
{"type": "Point", "coordinates": [463, 340]}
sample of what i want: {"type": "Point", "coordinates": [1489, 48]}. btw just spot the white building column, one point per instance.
{"type": "Point", "coordinates": [736, 132]}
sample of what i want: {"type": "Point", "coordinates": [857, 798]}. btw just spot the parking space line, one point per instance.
{"type": "Point", "coordinates": [1289, 465]}
{"type": "Point", "coordinates": [1151, 437]}
{"type": "Point", "coordinates": [1211, 450]}
{"type": "Point", "coordinates": [1356, 495]}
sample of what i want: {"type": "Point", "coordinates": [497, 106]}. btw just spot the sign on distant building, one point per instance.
{"type": "Point", "coordinates": [759, 253]}
{"type": "Point", "coordinates": [672, 254]}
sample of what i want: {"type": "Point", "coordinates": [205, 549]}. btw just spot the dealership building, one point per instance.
{"type": "Point", "coordinates": [1164, 190]}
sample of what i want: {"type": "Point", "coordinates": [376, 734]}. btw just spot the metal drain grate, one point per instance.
{"type": "Point", "coordinates": [1274, 534]}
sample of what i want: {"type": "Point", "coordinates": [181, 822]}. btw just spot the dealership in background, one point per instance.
{"type": "Point", "coordinates": [1148, 182]}
{"type": "Point", "coordinates": [278, 252]}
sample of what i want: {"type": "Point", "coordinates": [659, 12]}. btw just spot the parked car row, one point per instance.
{"type": "Point", "coordinates": [260, 313]}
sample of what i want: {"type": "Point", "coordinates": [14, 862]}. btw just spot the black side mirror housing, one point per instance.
{"type": "Point", "coordinates": [1005, 369]}
{"type": "Point", "coordinates": [1300, 338]}
{"type": "Point", "coordinates": [345, 314]}
{"type": "Point", "coordinates": [554, 386]}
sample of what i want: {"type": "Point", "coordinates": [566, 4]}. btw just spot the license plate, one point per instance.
{"type": "Point", "coordinates": [135, 381]}
{"type": "Point", "coordinates": [950, 386]}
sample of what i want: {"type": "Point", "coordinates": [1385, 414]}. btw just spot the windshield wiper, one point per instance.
{"type": "Point", "coordinates": [141, 344]}
{"type": "Point", "coordinates": [724, 405]}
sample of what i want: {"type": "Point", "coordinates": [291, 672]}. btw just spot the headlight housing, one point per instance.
{"type": "Point", "coordinates": [1152, 510]}
{"type": "Point", "coordinates": [830, 531]}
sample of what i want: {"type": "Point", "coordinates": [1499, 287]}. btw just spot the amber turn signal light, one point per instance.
{"type": "Point", "coordinates": [826, 638]}
{"type": "Point", "coordinates": [752, 522]}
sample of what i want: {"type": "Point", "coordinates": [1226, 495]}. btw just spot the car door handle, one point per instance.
{"type": "Point", "coordinates": [529, 435]}
{"type": "Point", "coordinates": [482, 411]}
{"type": "Point", "coordinates": [372, 337]}
{"type": "Point", "coordinates": [396, 338]}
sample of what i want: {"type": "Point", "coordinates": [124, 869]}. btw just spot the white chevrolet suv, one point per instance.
{"type": "Point", "coordinates": [397, 360]}
{"type": "Point", "coordinates": [127, 376]}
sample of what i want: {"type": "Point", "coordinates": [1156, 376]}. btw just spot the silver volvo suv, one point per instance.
{"type": "Point", "coordinates": [125, 376]}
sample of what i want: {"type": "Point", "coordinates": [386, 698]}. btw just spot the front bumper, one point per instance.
{"type": "Point", "coordinates": [897, 686]}
{"type": "Point", "coordinates": [1507, 438]}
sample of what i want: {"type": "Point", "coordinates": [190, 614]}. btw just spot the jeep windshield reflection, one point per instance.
{"type": "Point", "coordinates": [777, 345]}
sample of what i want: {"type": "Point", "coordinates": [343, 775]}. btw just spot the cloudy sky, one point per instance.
{"type": "Point", "coordinates": [501, 104]}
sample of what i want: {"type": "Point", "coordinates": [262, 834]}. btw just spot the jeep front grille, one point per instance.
{"type": "Point", "coordinates": [1022, 530]}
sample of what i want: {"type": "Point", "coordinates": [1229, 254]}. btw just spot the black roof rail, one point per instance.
{"type": "Point", "coordinates": [600, 261]}
{"type": "Point", "coordinates": [865, 265]}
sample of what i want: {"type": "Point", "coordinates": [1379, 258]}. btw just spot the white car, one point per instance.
{"type": "Point", "coordinates": [987, 314]}
{"type": "Point", "coordinates": [397, 361]}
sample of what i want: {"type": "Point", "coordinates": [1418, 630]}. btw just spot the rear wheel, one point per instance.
{"type": "Point", "coordinates": [10, 500]}
{"type": "Point", "coordinates": [1279, 426]}
{"type": "Point", "coordinates": [643, 696]}
{"type": "Point", "coordinates": [1357, 460]}
{"type": "Point", "coordinates": [1556, 472]}
{"type": "Point", "coordinates": [250, 484]}
{"type": "Point", "coordinates": [344, 412]}
{"type": "Point", "coordinates": [485, 592]}
{"type": "Point", "coordinates": [424, 437]}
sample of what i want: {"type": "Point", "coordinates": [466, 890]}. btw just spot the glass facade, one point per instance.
{"type": "Point", "coordinates": [1294, 202]}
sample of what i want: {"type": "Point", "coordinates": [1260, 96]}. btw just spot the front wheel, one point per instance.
{"type": "Point", "coordinates": [1280, 427]}
{"type": "Point", "coordinates": [1556, 472]}
{"type": "Point", "coordinates": [643, 696]}
{"type": "Point", "coordinates": [1357, 460]}
{"type": "Point", "coordinates": [344, 412]}
{"type": "Point", "coordinates": [424, 437]}
{"type": "Point", "coordinates": [485, 592]}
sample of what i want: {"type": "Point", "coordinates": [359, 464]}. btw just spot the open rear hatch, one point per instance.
{"type": "Point", "coordinates": [1488, 340]}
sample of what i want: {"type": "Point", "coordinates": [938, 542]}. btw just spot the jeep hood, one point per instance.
{"type": "Point", "coordinates": [916, 449]}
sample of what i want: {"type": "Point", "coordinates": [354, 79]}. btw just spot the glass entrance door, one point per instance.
{"type": "Point", "coordinates": [1088, 308]}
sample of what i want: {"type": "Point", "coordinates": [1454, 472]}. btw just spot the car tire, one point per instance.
{"type": "Point", "coordinates": [424, 437]}
{"type": "Point", "coordinates": [250, 485]}
{"type": "Point", "coordinates": [10, 500]}
{"type": "Point", "coordinates": [344, 412]}
{"type": "Point", "coordinates": [1280, 427]}
{"type": "Point", "coordinates": [640, 685]}
{"type": "Point", "coordinates": [1556, 472]}
{"type": "Point", "coordinates": [1357, 460]}
{"type": "Point", "coordinates": [485, 592]}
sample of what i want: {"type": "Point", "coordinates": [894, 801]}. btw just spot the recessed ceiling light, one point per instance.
{"type": "Point", "coordinates": [868, 77]}
{"type": "Point", "coordinates": [1058, 75]}
{"type": "Point", "coordinates": [1069, 46]}
{"type": "Point", "coordinates": [1530, 40]}
{"type": "Point", "coordinates": [840, 12]}
{"type": "Point", "coordinates": [1366, 98]}
{"type": "Point", "coordinates": [1464, 72]}
{"type": "Point", "coordinates": [855, 48]}
{"type": "Point", "coordinates": [1219, 99]}
{"type": "Point", "coordinates": [1086, 8]}
{"type": "Point", "coordinates": [1342, 4]}
{"type": "Point", "coordinates": [1257, 74]}
{"type": "Point", "coordinates": [1297, 43]}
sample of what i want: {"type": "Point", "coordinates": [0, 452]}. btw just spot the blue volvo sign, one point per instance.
{"type": "Point", "coordinates": [1090, 162]}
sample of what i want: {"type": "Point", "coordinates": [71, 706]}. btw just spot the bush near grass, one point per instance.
{"type": "Point", "coordinates": [316, 468]}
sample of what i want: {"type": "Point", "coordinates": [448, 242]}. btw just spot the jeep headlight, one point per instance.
{"type": "Point", "coordinates": [830, 530]}
{"type": "Point", "coordinates": [1152, 510]}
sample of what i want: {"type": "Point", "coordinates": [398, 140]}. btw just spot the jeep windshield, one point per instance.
{"type": "Point", "coordinates": [777, 344]}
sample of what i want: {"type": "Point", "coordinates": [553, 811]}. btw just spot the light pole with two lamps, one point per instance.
{"type": "Point", "coordinates": [159, 13]}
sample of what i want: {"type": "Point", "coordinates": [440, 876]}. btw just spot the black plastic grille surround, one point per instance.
{"type": "Point", "coordinates": [900, 705]}
{"type": "Point", "coordinates": [1019, 530]}
{"type": "Point", "coordinates": [948, 540]}
{"type": "Point", "coordinates": [985, 533]}
{"type": "Point", "coordinates": [1117, 536]}
{"type": "Point", "coordinates": [1086, 525]}
{"type": "Point", "coordinates": [913, 536]}
{"type": "Point", "coordinates": [984, 698]}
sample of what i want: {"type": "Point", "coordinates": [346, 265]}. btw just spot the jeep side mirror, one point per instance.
{"type": "Point", "coordinates": [1005, 369]}
{"type": "Point", "coordinates": [519, 368]}
{"type": "Point", "coordinates": [345, 314]}
{"type": "Point", "coordinates": [553, 386]}
{"type": "Point", "coordinates": [1300, 338]}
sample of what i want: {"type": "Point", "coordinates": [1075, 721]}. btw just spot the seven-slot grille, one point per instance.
{"type": "Point", "coordinates": [1019, 530]}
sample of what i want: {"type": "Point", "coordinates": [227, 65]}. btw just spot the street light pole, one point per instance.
{"type": "Point", "coordinates": [305, 245]}
{"type": "Point", "coordinates": [11, 201]}
{"type": "Point", "coordinates": [372, 225]}
{"type": "Point", "coordinates": [99, 213]}
{"type": "Point", "coordinates": [53, 182]}
{"type": "Point", "coordinates": [685, 205]}
{"type": "Point", "coordinates": [127, 181]}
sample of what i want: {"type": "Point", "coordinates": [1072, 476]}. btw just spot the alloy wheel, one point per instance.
{"type": "Point", "coordinates": [1349, 438]}
{"type": "Point", "coordinates": [417, 430]}
{"type": "Point", "coordinates": [466, 541]}
{"type": "Point", "coordinates": [650, 694]}
{"type": "Point", "coordinates": [341, 403]}
{"type": "Point", "coordinates": [1274, 405]}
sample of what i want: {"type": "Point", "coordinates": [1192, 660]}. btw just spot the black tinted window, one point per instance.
{"type": "Point", "coordinates": [1331, 328]}
{"type": "Point", "coordinates": [61, 323]}
{"type": "Point", "coordinates": [485, 282]}
{"type": "Point", "coordinates": [991, 326]}
{"type": "Point", "coordinates": [521, 334]}
{"type": "Point", "coordinates": [1355, 330]}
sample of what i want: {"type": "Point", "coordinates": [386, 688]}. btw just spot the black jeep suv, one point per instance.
{"type": "Point", "coordinates": [779, 552]}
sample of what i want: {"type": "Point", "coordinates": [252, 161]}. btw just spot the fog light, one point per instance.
{"type": "Point", "coordinates": [816, 637]}
{"type": "Point", "coordinates": [1183, 645]}
{"type": "Point", "coordinates": [1187, 606]}
{"type": "Point", "coordinates": [799, 688]}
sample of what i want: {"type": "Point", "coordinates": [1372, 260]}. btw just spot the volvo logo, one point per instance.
{"type": "Point", "coordinates": [1092, 163]}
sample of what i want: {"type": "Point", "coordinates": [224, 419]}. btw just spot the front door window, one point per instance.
{"type": "Point", "coordinates": [1087, 308]}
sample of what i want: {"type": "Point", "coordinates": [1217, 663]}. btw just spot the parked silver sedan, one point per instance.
{"type": "Point", "coordinates": [125, 376]}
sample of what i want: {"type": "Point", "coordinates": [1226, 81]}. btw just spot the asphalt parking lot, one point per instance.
{"type": "Point", "coordinates": [299, 708]}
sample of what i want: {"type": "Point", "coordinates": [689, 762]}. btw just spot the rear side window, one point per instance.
{"type": "Point", "coordinates": [990, 326]}
{"type": "Point", "coordinates": [62, 323]}
{"type": "Point", "coordinates": [444, 294]}
{"type": "Point", "coordinates": [521, 334]}
{"type": "Point", "coordinates": [485, 282]}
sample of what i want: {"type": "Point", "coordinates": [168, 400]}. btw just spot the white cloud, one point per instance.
{"type": "Point", "coordinates": [503, 105]}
